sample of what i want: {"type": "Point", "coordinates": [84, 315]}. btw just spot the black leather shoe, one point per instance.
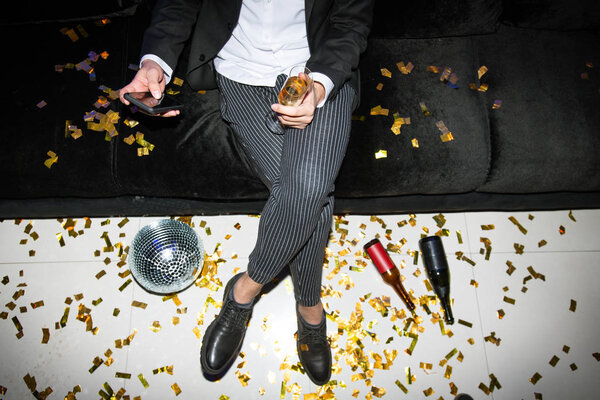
{"type": "Point", "coordinates": [224, 336]}
{"type": "Point", "coordinates": [314, 350]}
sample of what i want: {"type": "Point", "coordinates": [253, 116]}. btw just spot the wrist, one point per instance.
{"type": "Point", "coordinates": [319, 92]}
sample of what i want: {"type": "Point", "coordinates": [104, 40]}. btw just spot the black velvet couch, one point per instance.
{"type": "Point", "coordinates": [525, 133]}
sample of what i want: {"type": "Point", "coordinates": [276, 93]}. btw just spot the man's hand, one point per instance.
{"type": "Point", "coordinates": [150, 77]}
{"type": "Point", "coordinates": [299, 117]}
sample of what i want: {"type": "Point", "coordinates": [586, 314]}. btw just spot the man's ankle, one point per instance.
{"type": "Point", "coordinates": [245, 290]}
{"type": "Point", "coordinates": [313, 315]}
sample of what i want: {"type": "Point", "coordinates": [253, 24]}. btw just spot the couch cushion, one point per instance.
{"type": "Point", "coordinates": [455, 166]}
{"type": "Point", "coordinates": [434, 18]}
{"type": "Point", "coordinates": [545, 135]}
{"type": "Point", "coordinates": [25, 11]}
{"type": "Point", "coordinates": [195, 155]}
{"type": "Point", "coordinates": [552, 14]}
{"type": "Point", "coordinates": [29, 131]}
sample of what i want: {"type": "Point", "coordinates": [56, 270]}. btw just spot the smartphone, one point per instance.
{"type": "Point", "coordinates": [146, 102]}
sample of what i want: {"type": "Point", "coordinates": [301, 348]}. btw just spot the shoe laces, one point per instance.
{"type": "Point", "coordinates": [313, 336]}
{"type": "Point", "coordinates": [234, 316]}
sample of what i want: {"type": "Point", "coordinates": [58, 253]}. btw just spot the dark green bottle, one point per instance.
{"type": "Point", "coordinates": [437, 269]}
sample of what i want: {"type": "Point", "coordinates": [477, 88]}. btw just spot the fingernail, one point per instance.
{"type": "Point", "coordinates": [156, 94]}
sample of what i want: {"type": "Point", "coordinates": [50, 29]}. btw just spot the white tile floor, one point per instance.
{"type": "Point", "coordinates": [34, 267]}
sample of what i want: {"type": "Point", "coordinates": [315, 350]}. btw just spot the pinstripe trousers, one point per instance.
{"type": "Point", "coordinates": [299, 169]}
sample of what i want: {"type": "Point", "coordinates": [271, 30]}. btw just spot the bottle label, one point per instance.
{"type": "Point", "coordinates": [380, 257]}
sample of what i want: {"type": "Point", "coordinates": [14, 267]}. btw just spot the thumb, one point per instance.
{"type": "Point", "coordinates": [153, 83]}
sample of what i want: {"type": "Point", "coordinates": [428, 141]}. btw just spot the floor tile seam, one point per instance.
{"type": "Point", "coordinates": [471, 254]}
{"type": "Point", "coordinates": [129, 332]}
{"type": "Point", "coordinates": [52, 262]}
{"type": "Point", "coordinates": [539, 252]}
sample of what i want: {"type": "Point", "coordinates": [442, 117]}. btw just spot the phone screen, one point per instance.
{"type": "Point", "coordinates": [148, 103]}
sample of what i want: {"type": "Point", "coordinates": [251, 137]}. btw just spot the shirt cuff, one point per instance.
{"type": "Point", "coordinates": [327, 84]}
{"type": "Point", "coordinates": [168, 71]}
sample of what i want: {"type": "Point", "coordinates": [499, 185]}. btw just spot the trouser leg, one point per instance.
{"type": "Point", "coordinates": [300, 168]}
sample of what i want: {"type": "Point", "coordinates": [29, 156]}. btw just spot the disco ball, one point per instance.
{"type": "Point", "coordinates": [166, 256]}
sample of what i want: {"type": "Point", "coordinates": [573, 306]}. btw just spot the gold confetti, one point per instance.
{"type": "Point", "coordinates": [445, 74]}
{"type": "Point", "coordinates": [124, 285]}
{"type": "Point", "coordinates": [129, 139]}
{"type": "Point", "coordinates": [481, 71]}
{"type": "Point", "coordinates": [37, 304]}
{"type": "Point", "coordinates": [428, 392]}
{"type": "Point", "coordinates": [573, 305]}
{"type": "Point", "coordinates": [386, 72]}
{"type": "Point", "coordinates": [446, 137]}
{"type": "Point", "coordinates": [521, 228]}
{"type": "Point", "coordinates": [519, 248]}
{"type": "Point", "coordinates": [424, 109]}
{"type": "Point", "coordinates": [561, 230]}
{"type": "Point", "coordinates": [143, 380]}
{"type": "Point", "coordinates": [535, 378]}
{"type": "Point", "coordinates": [465, 323]}
{"type": "Point", "coordinates": [381, 154]}
{"type": "Point", "coordinates": [497, 104]}
{"type": "Point", "coordinates": [378, 392]}
{"type": "Point", "coordinates": [401, 386]}
{"type": "Point", "coordinates": [379, 86]}
{"type": "Point", "coordinates": [415, 143]}
{"type": "Point", "coordinates": [484, 388]}
{"type": "Point", "coordinates": [542, 243]}
{"type": "Point", "coordinates": [155, 327]}
{"type": "Point", "coordinates": [378, 110]}
{"type": "Point", "coordinates": [46, 335]}
{"type": "Point", "coordinates": [501, 313]}
{"type": "Point", "coordinates": [596, 356]}
{"type": "Point", "coordinates": [139, 304]}
{"type": "Point", "coordinates": [123, 375]}
{"type": "Point", "coordinates": [509, 300]}
{"type": "Point", "coordinates": [30, 382]}
{"type": "Point", "coordinates": [554, 361]}
{"type": "Point", "coordinates": [566, 349]}
{"type": "Point", "coordinates": [573, 367]}
{"type": "Point", "coordinates": [176, 389]}
{"type": "Point", "coordinates": [405, 69]}
{"type": "Point", "coordinates": [52, 160]}
{"type": "Point", "coordinates": [96, 363]}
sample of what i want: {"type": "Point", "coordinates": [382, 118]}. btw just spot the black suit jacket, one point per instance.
{"type": "Point", "coordinates": [337, 33]}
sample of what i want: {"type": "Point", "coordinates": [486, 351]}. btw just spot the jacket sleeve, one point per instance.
{"type": "Point", "coordinates": [341, 39]}
{"type": "Point", "coordinates": [170, 27]}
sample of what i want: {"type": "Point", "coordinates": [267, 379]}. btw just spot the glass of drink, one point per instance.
{"type": "Point", "coordinates": [297, 84]}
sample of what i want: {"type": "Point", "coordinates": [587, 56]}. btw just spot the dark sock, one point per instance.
{"type": "Point", "coordinates": [247, 305]}
{"type": "Point", "coordinates": [312, 325]}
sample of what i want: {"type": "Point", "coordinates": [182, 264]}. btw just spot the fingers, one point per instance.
{"type": "Point", "coordinates": [172, 113]}
{"type": "Point", "coordinates": [295, 117]}
{"type": "Point", "coordinates": [148, 78]}
{"type": "Point", "coordinates": [155, 78]}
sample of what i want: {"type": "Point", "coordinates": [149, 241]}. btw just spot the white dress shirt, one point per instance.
{"type": "Point", "coordinates": [268, 40]}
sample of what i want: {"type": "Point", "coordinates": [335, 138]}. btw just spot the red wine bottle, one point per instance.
{"type": "Point", "coordinates": [388, 270]}
{"type": "Point", "coordinates": [437, 269]}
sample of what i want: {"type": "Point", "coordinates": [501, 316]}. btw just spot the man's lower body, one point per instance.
{"type": "Point", "coordinates": [299, 168]}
